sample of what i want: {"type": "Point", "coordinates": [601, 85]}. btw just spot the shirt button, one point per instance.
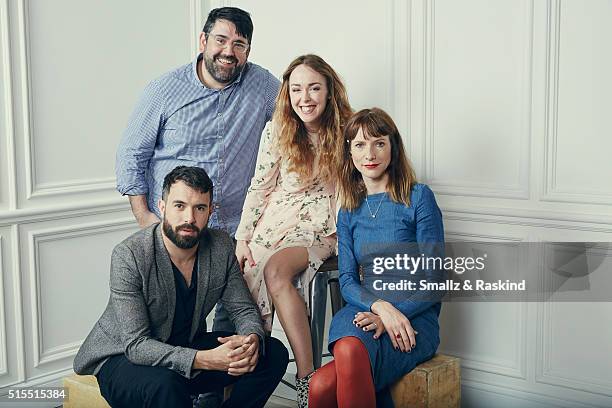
{"type": "Point", "coordinates": [220, 160]}
{"type": "Point", "coordinates": [219, 114]}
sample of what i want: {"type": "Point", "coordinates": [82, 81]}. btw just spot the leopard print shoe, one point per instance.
{"type": "Point", "coordinates": [301, 386]}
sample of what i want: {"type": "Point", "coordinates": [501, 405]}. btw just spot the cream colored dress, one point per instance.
{"type": "Point", "coordinates": [280, 211]}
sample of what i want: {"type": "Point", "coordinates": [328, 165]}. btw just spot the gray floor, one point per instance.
{"type": "Point", "coordinates": [278, 402]}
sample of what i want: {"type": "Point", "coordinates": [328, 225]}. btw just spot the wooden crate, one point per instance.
{"type": "Point", "coordinates": [433, 384]}
{"type": "Point", "coordinates": [83, 392]}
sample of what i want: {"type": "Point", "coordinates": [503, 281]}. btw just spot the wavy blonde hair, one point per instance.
{"type": "Point", "coordinates": [294, 144]}
{"type": "Point", "coordinates": [374, 122]}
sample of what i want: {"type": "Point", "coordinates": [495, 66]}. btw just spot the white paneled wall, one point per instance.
{"type": "Point", "coordinates": [578, 103]}
{"type": "Point", "coordinates": [478, 80]}
{"type": "Point", "coordinates": [71, 73]}
{"type": "Point", "coordinates": [503, 104]}
{"type": "Point", "coordinates": [66, 266]}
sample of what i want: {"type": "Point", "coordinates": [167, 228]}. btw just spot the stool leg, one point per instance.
{"type": "Point", "coordinates": [318, 303]}
{"type": "Point", "coordinates": [337, 302]}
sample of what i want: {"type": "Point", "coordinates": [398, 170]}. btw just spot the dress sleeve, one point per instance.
{"type": "Point", "coordinates": [263, 183]}
{"type": "Point", "coordinates": [138, 142]}
{"type": "Point", "coordinates": [430, 240]}
{"type": "Point", "coordinates": [350, 286]}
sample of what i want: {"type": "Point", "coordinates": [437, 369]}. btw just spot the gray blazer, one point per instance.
{"type": "Point", "coordinates": [138, 318]}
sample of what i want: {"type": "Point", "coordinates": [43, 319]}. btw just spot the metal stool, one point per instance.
{"type": "Point", "coordinates": [327, 274]}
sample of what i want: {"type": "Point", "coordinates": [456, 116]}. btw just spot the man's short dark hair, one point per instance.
{"type": "Point", "coordinates": [240, 18]}
{"type": "Point", "coordinates": [194, 177]}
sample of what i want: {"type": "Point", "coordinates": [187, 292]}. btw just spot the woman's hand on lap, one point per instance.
{"type": "Point", "coordinates": [403, 336]}
{"type": "Point", "coordinates": [369, 321]}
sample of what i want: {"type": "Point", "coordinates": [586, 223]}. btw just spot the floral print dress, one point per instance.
{"type": "Point", "coordinates": [281, 211]}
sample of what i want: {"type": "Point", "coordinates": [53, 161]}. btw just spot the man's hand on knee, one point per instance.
{"type": "Point", "coordinates": [219, 358]}
{"type": "Point", "coordinates": [237, 355]}
{"type": "Point", "coordinates": [245, 358]}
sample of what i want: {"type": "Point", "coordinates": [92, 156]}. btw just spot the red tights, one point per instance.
{"type": "Point", "coordinates": [346, 381]}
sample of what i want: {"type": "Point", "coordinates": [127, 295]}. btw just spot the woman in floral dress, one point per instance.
{"type": "Point", "coordinates": [288, 221]}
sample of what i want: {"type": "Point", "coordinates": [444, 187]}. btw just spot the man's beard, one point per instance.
{"type": "Point", "coordinates": [183, 242]}
{"type": "Point", "coordinates": [224, 76]}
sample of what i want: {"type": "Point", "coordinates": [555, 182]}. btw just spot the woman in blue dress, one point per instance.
{"type": "Point", "coordinates": [376, 339]}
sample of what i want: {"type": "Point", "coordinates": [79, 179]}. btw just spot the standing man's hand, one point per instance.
{"type": "Point", "coordinates": [243, 254]}
{"type": "Point", "coordinates": [141, 212]}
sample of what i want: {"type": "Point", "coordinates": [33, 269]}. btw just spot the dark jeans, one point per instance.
{"type": "Point", "coordinates": [128, 385]}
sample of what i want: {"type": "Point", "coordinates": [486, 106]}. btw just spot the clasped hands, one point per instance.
{"type": "Point", "coordinates": [236, 355]}
{"type": "Point", "coordinates": [384, 317]}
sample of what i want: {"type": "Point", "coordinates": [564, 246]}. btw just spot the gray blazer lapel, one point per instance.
{"type": "Point", "coordinates": [204, 270]}
{"type": "Point", "coordinates": [164, 269]}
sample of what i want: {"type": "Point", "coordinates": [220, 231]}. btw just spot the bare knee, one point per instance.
{"type": "Point", "coordinates": [276, 278]}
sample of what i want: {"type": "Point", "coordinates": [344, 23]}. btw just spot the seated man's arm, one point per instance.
{"type": "Point", "coordinates": [132, 318]}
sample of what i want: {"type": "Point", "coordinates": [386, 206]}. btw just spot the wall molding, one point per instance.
{"type": "Point", "coordinates": [551, 191]}
{"type": "Point", "coordinates": [196, 23]}
{"type": "Point", "coordinates": [34, 239]}
{"type": "Point", "coordinates": [428, 103]}
{"type": "Point", "coordinates": [59, 353]}
{"type": "Point", "coordinates": [18, 298]}
{"type": "Point", "coordinates": [51, 379]}
{"type": "Point", "coordinates": [530, 217]}
{"type": "Point", "coordinates": [511, 368]}
{"type": "Point", "coordinates": [35, 189]}
{"type": "Point", "coordinates": [89, 208]}
{"type": "Point", "coordinates": [527, 395]}
{"type": "Point", "coordinates": [545, 374]}
{"type": "Point", "coordinates": [400, 86]}
{"type": "Point", "coordinates": [9, 129]}
{"type": "Point", "coordinates": [480, 237]}
{"type": "Point", "coordinates": [26, 103]}
{"type": "Point", "coordinates": [416, 84]}
{"type": "Point", "coordinates": [518, 190]}
{"type": "Point", "coordinates": [59, 189]}
{"type": "Point", "coordinates": [219, 3]}
{"type": "Point", "coordinates": [3, 342]}
{"type": "Point", "coordinates": [389, 57]}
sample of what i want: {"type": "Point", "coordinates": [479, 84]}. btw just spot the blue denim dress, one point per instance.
{"type": "Point", "coordinates": [421, 222]}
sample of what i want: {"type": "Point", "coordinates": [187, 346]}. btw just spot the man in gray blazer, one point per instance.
{"type": "Point", "coordinates": [150, 347]}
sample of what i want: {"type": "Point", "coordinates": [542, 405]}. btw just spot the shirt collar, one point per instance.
{"type": "Point", "coordinates": [196, 79]}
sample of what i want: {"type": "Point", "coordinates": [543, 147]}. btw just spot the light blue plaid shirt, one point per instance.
{"type": "Point", "coordinates": [179, 121]}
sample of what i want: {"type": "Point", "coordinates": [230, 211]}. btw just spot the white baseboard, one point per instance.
{"type": "Point", "coordinates": [479, 395]}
